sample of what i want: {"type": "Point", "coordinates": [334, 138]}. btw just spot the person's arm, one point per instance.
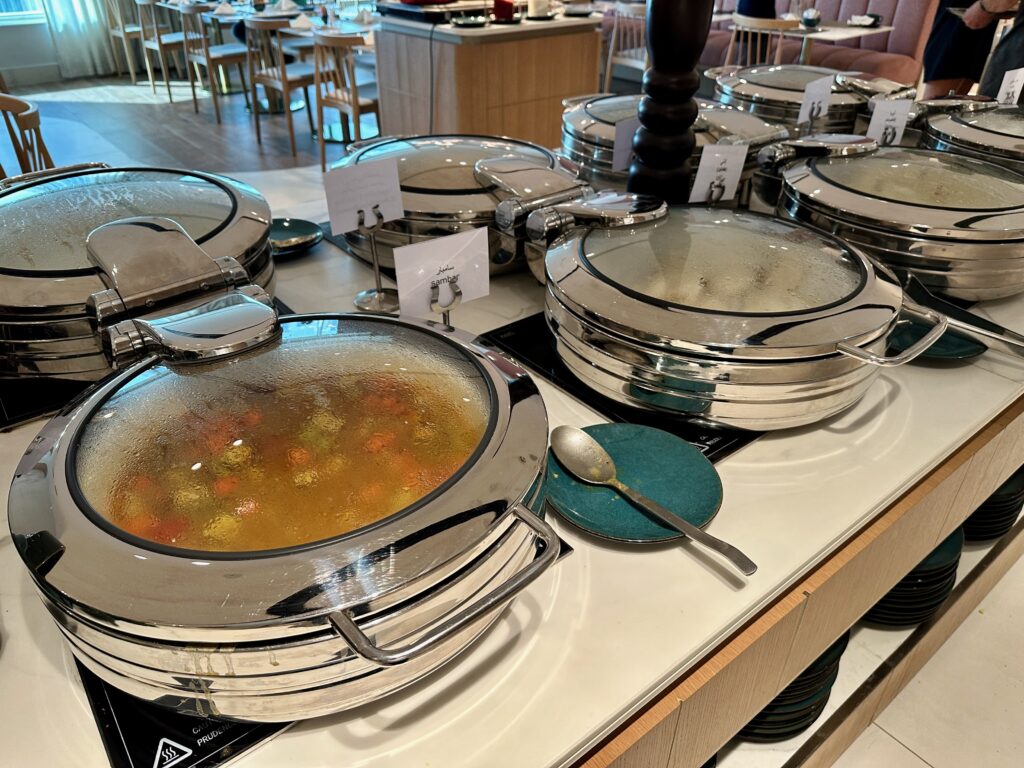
{"type": "Point", "coordinates": [984, 12]}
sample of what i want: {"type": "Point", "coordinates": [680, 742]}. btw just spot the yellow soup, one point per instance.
{"type": "Point", "coordinates": [289, 460]}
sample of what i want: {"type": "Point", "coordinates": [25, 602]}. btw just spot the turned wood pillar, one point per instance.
{"type": "Point", "coordinates": [676, 33]}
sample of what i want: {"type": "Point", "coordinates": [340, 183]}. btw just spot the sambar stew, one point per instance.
{"type": "Point", "coordinates": [300, 463]}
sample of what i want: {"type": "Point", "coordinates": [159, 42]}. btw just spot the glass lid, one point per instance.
{"type": "Point", "coordinates": [734, 126]}
{"type": "Point", "coordinates": [726, 262]}
{"type": "Point", "coordinates": [46, 224]}
{"type": "Point", "coordinates": [1009, 121]}
{"type": "Point", "coordinates": [612, 109]}
{"type": "Point", "coordinates": [341, 424]}
{"type": "Point", "coordinates": [444, 164]}
{"type": "Point", "coordinates": [927, 179]}
{"type": "Point", "coordinates": [786, 77]}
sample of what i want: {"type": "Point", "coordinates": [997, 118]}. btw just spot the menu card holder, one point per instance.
{"type": "Point", "coordinates": [378, 299]}
{"type": "Point", "coordinates": [445, 309]}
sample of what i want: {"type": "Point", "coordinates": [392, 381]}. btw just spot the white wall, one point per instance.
{"type": "Point", "coordinates": [27, 55]}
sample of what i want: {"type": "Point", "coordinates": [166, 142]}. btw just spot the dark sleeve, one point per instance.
{"type": "Point", "coordinates": [762, 9]}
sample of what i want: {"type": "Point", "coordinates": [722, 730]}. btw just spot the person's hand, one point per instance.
{"type": "Point", "coordinates": [977, 18]}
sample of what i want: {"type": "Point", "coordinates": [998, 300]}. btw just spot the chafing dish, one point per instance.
{"type": "Point", "coordinates": [956, 222]}
{"type": "Point", "coordinates": [48, 326]}
{"type": "Point", "coordinates": [443, 193]}
{"type": "Point", "coordinates": [588, 135]}
{"type": "Point", "coordinates": [995, 134]}
{"type": "Point", "coordinates": [219, 527]}
{"type": "Point", "coordinates": [729, 316]}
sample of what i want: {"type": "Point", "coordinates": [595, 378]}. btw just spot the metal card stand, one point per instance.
{"type": "Point", "coordinates": [445, 309]}
{"type": "Point", "coordinates": [378, 299]}
{"type": "Point", "coordinates": [807, 129]}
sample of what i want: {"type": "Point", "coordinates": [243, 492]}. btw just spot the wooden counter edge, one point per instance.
{"type": "Point", "coordinates": [705, 707]}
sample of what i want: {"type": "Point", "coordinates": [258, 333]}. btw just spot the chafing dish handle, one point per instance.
{"type": "Point", "coordinates": [45, 173]}
{"type": "Point", "coordinates": [389, 657]}
{"type": "Point", "coordinates": [939, 324]}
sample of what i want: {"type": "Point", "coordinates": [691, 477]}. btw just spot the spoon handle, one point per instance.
{"type": "Point", "coordinates": [737, 558]}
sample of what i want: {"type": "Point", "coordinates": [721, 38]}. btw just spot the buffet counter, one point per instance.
{"type": "Point", "coordinates": [504, 80]}
{"type": "Point", "coordinates": [613, 635]}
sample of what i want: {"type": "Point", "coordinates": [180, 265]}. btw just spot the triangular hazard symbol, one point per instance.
{"type": "Point", "coordinates": [169, 753]}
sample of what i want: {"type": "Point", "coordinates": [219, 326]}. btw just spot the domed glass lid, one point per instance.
{"type": "Point", "coordinates": [785, 77]}
{"type": "Point", "coordinates": [612, 109]}
{"type": "Point", "coordinates": [725, 262]}
{"type": "Point", "coordinates": [46, 224]}
{"type": "Point", "coordinates": [1008, 121]}
{"type": "Point", "coordinates": [444, 164]}
{"type": "Point", "coordinates": [342, 423]}
{"type": "Point", "coordinates": [924, 178]}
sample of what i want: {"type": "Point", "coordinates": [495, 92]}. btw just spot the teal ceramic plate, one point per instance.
{"type": "Point", "coordinates": [946, 553]}
{"type": "Point", "coordinates": [950, 346]}
{"type": "Point", "coordinates": [290, 237]}
{"type": "Point", "coordinates": [661, 466]}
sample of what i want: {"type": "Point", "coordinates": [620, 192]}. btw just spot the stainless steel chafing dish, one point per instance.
{"type": "Point", "coordinates": [995, 134]}
{"type": "Point", "coordinates": [49, 323]}
{"type": "Point", "coordinates": [443, 192]}
{"type": "Point", "coordinates": [956, 222]}
{"type": "Point", "coordinates": [775, 93]}
{"type": "Point", "coordinates": [220, 428]}
{"type": "Point", "coordinates": [588, 135]}
{"type": "Point", "coordinates": [732, 317]}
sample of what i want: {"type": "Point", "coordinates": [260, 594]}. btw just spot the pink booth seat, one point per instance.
{"type": "Point", "coordinates": [895, 55]}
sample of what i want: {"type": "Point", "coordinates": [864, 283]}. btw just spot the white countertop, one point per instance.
{"type": "Point", "coordinates": [492, 33]}
{"type": "Point", "coordinates": [609, 626]}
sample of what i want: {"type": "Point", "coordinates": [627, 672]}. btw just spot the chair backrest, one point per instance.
{"type": "Point", "coordinates": [115, 19]}
{"type": "Point", "coordinates": [22, 120]}
{"type": "Point", "coordinates": [263, 48]}
{"type": "Point", "coordinates": [195, 40]}
{"type": "Point", "coordinates": [756, 40]}
{"type": "Point", "coordinates": [147, 19]}
{"type": "Point", "coordinates": [629, 34]}
{"type": "Point", "coordinates": [335, 63]}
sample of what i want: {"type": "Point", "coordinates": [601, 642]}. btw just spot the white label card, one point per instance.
{"type": "Point", "coordinates": [1009, 91]}
{"type": "Point", "coordinates": [888, 121]}
{"type": "Point", "coordinates": [718, 174]}
{"type": "Point", "coordinates": [463, 259]}
{"type": "Point", "coordinates": [352, 188]}
{"type": "Point", "coordinates": [622, 151]}
{"type": "Point", "coordinates": [817, 95]}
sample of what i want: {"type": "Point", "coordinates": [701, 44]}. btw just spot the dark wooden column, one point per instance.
{"type": "Point", "coordinates": [676, 33]}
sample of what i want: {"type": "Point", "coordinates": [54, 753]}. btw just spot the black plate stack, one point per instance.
{"type": "Point", "coordinates": [999, 512]}
{"type": "Point", "coordinates": [919, 595]}
{"type": "Point", "coordinates": [801, 703]}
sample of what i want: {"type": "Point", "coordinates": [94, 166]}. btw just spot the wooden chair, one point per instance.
{"type": "Point", "coordinates": [199, 53]}
{"type": "Point", "coordinates": [267, 63]}
{"type": "Point", "coordinates": [156, 38]}
{"type": "Point", "coordinates": [335, 84]}
{"type": "Point", "coordinates": [751, 41]}
{"type": "Point", "coordinates": [22, 120]}
{"type": "Point", "coordinates": [127, 32]}
{"type": "Point", "coordinates": [627, 45]}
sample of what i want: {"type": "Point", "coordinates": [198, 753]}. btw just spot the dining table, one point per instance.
{"type": "Point", "coordinates": [830, 32]}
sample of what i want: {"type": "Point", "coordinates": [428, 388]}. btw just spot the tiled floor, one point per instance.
{"type": "Point", "coordinates": [964, 709]}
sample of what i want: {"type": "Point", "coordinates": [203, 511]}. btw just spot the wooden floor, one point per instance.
{"type": "Point", "coordinates": [113, 121]}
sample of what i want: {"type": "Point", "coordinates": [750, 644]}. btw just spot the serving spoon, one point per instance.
{"type": "Point", "coordinates": [587, 460]}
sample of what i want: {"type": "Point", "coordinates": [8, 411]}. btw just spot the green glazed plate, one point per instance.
{"type": "Point", "coordinates": [660, 465]}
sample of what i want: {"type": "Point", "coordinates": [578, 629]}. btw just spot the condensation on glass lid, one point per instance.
{"type": "Point", "coordinates": [1008, 121]}
{"type": "Point", "coordinates": [725, 261]}
{"type": "Point", "coordinates": [445, 163]}
{"type": "Point", "coordinates": [45, 225]}
{"type": "Point", "coordinates": [342, 424]}
{"type": "Point", "coordinates": [920, 177]}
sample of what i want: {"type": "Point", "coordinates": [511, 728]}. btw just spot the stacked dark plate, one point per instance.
{"type": "Point", "coordinates": [999, 512]}
{"type": "Point", "coordinates": [801, 702]}
{"type": "Point", "coordinates": [920, 594]}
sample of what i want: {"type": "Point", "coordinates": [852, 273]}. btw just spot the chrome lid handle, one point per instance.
{"type": "Point", "coordinates": [774, 156]}
{"type": "Point", "coordinates": [526, 186]}
{"type": "Point", "coordinates": [548, 547]}
{"type": "Point", "coordinates": [607, 209]}
{"type": "Point", "coordinates": [45, 173]}
{"type": "Point", "coordinates": [939, 324]}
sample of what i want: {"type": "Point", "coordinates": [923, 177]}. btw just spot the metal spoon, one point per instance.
{"type": "Point", "coordinates": [584, 457]}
